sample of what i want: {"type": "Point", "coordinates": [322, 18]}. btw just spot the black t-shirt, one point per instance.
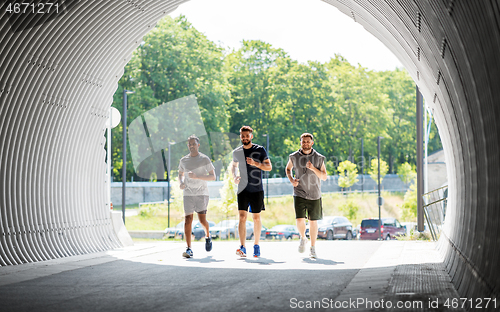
{"type": "Point", "coordinates": [251, 177]}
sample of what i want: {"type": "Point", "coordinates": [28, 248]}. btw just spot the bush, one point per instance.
{"type": "Point", "coordinates": [409, 206]}
{"type": "Point", "coordinates": [349, 209]}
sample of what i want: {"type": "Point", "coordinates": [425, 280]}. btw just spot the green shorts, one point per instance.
{"type": "Point", "coordinates": [313, 209]}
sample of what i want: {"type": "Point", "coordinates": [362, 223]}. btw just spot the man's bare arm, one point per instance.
{"type": "Point", "coordinates": [181, 180]}
{"type": "Point", "coordinates": [289, 167]}
{"type": "Point", "coordinates": [321, 173]}
{"type": "Point", "coordinates": [233, 172]}
{"type": "Point", "coordinates": [209, 177]}
{"type": "Point", "coordinates": [264, 166]}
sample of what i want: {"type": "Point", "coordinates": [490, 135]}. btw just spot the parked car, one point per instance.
{"type": "Point", "coordinates": [224, 229]}
{"type": "Point", "coordinates": [332, 227]}
{"type": "Point", "coordinates": [263, 231]}
{"type": "Point", "coordinates": [390, 228]}
{"type": "Point", "coordinates": [409, 227]}
{"type": "Point", "coordinates": [355, 232]}
{"type": "Point", "coordinates": [197, 230]}
{"type": "Point", "coordinates": [335, 227]}
{"type": "Point", "coordinates": [282, 231]}
{"type": "Point", "coordinates": [176, 231]}
{"type": "Point", "coordinates": [249, 225]}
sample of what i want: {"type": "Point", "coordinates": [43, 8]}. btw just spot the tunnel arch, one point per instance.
{"type": "Point", "coordinates": [59, 74]}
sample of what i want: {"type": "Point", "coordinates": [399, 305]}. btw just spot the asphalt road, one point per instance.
{"type": "Point", "coordinates": [157, 278]}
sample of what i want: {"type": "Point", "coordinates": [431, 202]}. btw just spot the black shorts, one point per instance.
{"type": "Point", "coordinates": [255, 200]}
{"type": "Point", "coordinates": [313, 209]}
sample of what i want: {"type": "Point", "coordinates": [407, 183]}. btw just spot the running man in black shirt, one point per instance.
{"type": "Point", "coordinates": [251, 159]}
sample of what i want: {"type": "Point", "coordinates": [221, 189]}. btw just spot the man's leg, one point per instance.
{"type": "Point", "coordinates": [242, 227]}
{"type": "Point", "coordinates": [301, 226]}
{"type": "Point", "coordinates": [257, 226]}
{"type": "Point", "coordinates": [203, 220]}
{"type": "Point", "coordinates": [188, 220]}
{"type": "Point", "coordinates": [300, 218]}
{"type": "Point", "coordinates": [313, 231]}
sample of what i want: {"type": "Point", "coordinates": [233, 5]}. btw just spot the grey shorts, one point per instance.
{"type": "Point", "coordinates": [194, 204]}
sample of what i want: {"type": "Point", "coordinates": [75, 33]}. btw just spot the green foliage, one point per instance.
{"type": "Point", "coordinates": [153, 210]}
{"type": "Point", "coordinates": [349, 209]}
{"type": "Point", "coordinates": [407, 173]}
{"type": "Point", "coordinates": [373, 170]}
{"type": "Point", "coordinates": [348, 174]}
{"type": "Point", "coordinates": [409, 206]}
{"type": "Point", "coordinates": [262, 86]}
{"type": "Point", "coordinates": [229, 201]}
{"type": "Point", "coordinates": [330, 167]}
{"type": "Point", "coordinates": [174, 60]}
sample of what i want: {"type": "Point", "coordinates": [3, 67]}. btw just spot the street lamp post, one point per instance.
{"type": "Point", "coordinates": [362, 166]}
{"type": "Point", "coordinates": [420, 179]}
{"type": "Point", "coordinates": [124, 151]}
{"type": "Point", "coordinates": [379, 197]}
{"type": "Point", "coordinates": [267, 172]}
{"type": "Point", "coordinates": [168, 181]}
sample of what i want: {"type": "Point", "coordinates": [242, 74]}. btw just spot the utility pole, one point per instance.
{"type": "Point", "coordinates": [420, 178]}
{"type": "Point", "coordinates": [124, 151]}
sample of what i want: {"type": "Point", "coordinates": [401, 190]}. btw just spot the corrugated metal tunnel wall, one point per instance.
{"type": "Point", "coordinates": [59, 72]}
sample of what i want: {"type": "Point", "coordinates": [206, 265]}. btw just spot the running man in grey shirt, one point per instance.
{"type": "Point", "coordinates": [195, 169]}
{"type": "Point", "coordinates": [309, 167]}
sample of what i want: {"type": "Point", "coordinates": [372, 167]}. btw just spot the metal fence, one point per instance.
{"type": "Point", "coordinates": [435, 204]}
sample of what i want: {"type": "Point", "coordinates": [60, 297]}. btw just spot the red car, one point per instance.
{"type": "Point", "coordinates": [390, 228]}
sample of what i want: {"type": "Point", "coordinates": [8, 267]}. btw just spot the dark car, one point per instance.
{"type": "Point", "coordinates": [198, 230]}
{"type": "Point", "coordinates": [389, 229]}
{"type": "Point", "coordinates": [282, 232]}
{"type": "Point", "coordinates": [332, 227]}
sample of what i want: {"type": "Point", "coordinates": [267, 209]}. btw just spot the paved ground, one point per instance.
{"type": "Point", "coordinates": [154, 277]}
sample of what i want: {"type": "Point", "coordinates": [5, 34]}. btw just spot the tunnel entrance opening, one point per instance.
{"type": "Point", "coordinates": [58, 77]}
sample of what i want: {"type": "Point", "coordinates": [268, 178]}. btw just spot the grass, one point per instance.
{"type": "Point", "coordinates": [279, 211]}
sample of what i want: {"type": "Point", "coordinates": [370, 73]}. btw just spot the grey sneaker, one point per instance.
{"type": "Point", "coordinates": [312, 254]}
{"type": "Point", "coordinates": [303, 243]}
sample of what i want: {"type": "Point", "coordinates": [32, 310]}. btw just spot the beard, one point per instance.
{"type": "Point", "coordinates": [306, 148]}
{"type": "Point", "coordinates": [246, 142]}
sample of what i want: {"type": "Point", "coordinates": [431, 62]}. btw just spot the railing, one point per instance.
{"type": "Point", "coordinates": [435, 203]}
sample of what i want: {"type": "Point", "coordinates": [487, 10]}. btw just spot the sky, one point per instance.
{"type": "Point", "coordinates": [305, 29]}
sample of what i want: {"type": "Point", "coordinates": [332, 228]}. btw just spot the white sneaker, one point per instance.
{"type": "Point", "coordinates": [303, 243]}
{"type": "Point", "coordinates": [313, 252]}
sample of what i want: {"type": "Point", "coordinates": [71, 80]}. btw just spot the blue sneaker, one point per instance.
{"type": "Point", "coordinates": [188, 253]}
{"type": "Point", "coordinates": [242, 251]}
{"type": "Point", "coordinates": [256, 251]}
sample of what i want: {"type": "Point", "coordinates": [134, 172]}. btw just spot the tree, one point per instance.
{"type": "Point", "coordinates": [262, 86]}
{"type": "Point", "coordinates": [406, 173]}
{"type": "Point", "coordinates": [348, 174]}
{"type": "Point", "coordinates": [175, 60]}
{"type": "Point", "coordinates": [373, 170]}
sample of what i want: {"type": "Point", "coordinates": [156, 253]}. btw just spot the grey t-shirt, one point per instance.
{"type": "Point", "coordinates": [309, 184]}
{"type": "Point", "coordinates": [199, 165]}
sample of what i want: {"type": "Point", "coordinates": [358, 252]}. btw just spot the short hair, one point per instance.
{"type": "Point", "coordinates": [194, 137]}
{"type": "Point", "coordinates": [246, 128]}
{"type": "Point", "coordinates": [306, 135]}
